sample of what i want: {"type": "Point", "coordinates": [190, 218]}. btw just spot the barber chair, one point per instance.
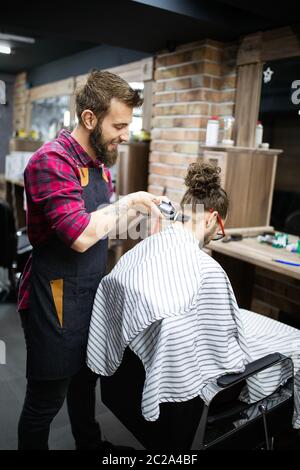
{"type": "Point", "coordinates": [15, 249]}
{"type": "Point", "coordinates": [227, 423]}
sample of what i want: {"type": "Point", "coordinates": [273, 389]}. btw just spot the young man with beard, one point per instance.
{"type": "Point", "coordinates": [66, 185]}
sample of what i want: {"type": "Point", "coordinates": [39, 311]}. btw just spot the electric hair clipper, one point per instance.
{"type": "Point", "coordinates": [169, 211]}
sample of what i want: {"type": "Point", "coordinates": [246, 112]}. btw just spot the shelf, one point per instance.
{"type": "Point", "coordinates": [234, 148]}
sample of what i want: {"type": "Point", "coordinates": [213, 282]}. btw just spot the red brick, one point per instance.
{"type": "Point", "coordinates": [198, 95]}
{"type": "Point", "coordinates": [199, 108]}
{"type": "Point", "coordinates": [158, 86]}
{"type": "Point", "coordinates": [175, 196]}
{"type": "Point", "coordinates": [222, 109]}
{"type": "Point", "coordinates": [212, 68]}
{"type": "Point", "coordinates": [179, 84]}
{"type": "Point", "coordinates": [229, 68]}
{"type": "Point", "coordinates": [213, 53]}
{"type": "Point", "coordinates": [216, 83]}
{"type": "Point", "coordinates": [229, 81]}
{"type": "Point", "coordinates": [184, 47]}
{"type": "Point", "coordinates": [212, 42]}
{"type": "Point", "coordinates": [168, 170]}
{"type": "Point", "coordinates": [165, 98]}
{"type": "Point", "coordinates": [156, 190]}
{"type": "Point", "coordinates": [171, 159]}
{"type": "Point", "coordinates": [227, 96]}
{"type": "Point", "coordinates": [186, 122]}
{"type": "Point", "coordinates": [182, 70]}
{"type": "Point", "coordinates": [173, 59]}
{"type": "Point", "coordinates": [177, 134]}
{"type": "Point", "coordinates": [183, 147]}
{"type": "Point", "coordinates": [165, 181]}
{"type": "Point", "coordinates": [195, 81]}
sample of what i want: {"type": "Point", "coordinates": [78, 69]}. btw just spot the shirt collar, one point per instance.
{"type": "Point", "coordinates": [66, 137]}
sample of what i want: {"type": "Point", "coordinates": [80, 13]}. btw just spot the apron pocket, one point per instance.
{"type": "Point", "coordinates": [78, 299]}
{"type": "Point", "coordinates": [57, 288]}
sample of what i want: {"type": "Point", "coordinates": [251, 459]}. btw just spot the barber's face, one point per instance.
{"type": "Point", "coordinates": [113, 130]}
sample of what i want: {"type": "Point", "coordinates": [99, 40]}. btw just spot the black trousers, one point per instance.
{"type": "Point", "coordinates": [44, 399]}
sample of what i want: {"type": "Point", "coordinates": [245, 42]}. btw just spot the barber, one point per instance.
{"type": "Point", "coordinates": [68, 218]}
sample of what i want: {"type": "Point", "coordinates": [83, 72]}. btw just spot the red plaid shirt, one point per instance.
{"type": "Point", "coordinates": [54, 197]}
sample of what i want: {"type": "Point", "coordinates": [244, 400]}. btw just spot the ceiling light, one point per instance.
{"type": "Point", "coordinates": [5, 49]}
{"type": "Point", "coordinates": [13, 37]}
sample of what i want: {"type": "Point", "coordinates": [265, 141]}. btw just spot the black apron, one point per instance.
{"type": "Point", "coordinates": [63, 287]}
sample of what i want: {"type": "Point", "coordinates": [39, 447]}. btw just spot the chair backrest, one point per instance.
{"type": "Point", "coordinates": [229, 423]}
{"type": "Point", "coordinates": [8, 237]}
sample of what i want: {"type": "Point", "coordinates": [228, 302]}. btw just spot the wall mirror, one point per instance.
{"type": "Point", "coordinates": [50, 115]}
{"type": "Point", "coordinates": [280, 115]}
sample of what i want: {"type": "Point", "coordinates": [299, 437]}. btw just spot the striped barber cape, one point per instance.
{"type": "Point", "coordinates": [174, 306]}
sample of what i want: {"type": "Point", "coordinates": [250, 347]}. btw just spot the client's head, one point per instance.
{"type": "Point", "coordinates": [206, 199]}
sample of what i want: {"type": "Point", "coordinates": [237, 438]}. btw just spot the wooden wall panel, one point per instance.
{"type": "Point", "coordinates": [261, 188]}
{"type": "Point", "coordinates": [247, 103]}
{"type": "Point", "coordinates": [59, 88]}
{"type": "Point", "coordinates": [275, 44]}
{"type": "Point", "coordinates": [237, 185]}
{"type": "Point", "coordinates": [281, 43]}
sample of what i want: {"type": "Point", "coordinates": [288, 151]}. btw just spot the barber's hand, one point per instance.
{"type": "Point", "coordinates": [145, 202]}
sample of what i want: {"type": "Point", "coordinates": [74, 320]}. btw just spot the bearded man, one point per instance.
{"type": "Point", "coordinates": [66, 181]}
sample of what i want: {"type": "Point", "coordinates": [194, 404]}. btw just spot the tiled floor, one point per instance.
{"type": "Point", "coordinates": [12, 391]}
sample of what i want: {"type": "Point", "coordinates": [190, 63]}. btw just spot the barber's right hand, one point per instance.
{"type": "Point", "coordinates": [145, 202]}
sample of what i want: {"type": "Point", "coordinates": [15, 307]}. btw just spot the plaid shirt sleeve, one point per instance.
{"type": "Point", "coordinates": [53, 187]}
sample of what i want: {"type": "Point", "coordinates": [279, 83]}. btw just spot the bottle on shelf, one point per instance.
{"type": "Point", "coordinates": [259, 134]}
{"type": "Point", "coordinates": [212, 131]}
{"type": "Point", "coordinates": [227, 130]}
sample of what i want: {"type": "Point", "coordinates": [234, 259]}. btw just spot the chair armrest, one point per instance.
{"type": "Point", "coordinates": [251, 368]}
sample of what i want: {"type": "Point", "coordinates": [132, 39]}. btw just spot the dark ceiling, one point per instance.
{"type": "Point", "coordinates": [63, 28]}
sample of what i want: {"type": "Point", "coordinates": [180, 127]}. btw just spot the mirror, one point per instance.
{"type": "Point", "coordinates": [280, 116]}
{"type": "Point", "coordinates": [50, 115]}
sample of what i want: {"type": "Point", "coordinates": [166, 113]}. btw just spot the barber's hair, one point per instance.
{"type": "Point", "coordinates": [204, 187]}
{"type": "Point", "coordinates": [98, 91]}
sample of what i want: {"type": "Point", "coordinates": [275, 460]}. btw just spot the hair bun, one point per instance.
{"type": "Point", "coordinates": [203, 179]}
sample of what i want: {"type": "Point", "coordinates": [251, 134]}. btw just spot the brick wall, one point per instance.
{"type": "Point", "coordinates": [196, 81]}
{"type": "Point", "coordinates": [20, 94]}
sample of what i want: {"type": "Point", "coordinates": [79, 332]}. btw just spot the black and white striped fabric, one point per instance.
{"type": "Point", "coordinates": [173, 305]}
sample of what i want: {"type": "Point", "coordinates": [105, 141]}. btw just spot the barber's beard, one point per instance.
{"type": "Point", "coordinates": [108, 157]}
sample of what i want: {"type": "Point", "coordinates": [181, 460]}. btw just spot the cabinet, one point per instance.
{"type": "Point", "coordinates": [132, 168]}
{"type": "Point", "coordinates": [15, 163]}
{"type": "Point", "coordinates": [248, 176]}
{"type": "Point", "coordinates": [130, 174]}
{"type": "Point", "coordinates": [15, 197]}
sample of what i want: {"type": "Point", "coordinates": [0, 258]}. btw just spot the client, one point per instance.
{"type": "Point", "coordinates": [174, 306]}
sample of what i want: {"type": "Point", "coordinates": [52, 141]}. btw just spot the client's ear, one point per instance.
{"type": "Point", "coordinates": [211, 218]}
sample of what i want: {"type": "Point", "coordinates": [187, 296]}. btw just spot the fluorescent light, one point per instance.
{"type": "Point", "coordinates": [13, 37]}
{"type": "Point", "coordinates": [5, 49]}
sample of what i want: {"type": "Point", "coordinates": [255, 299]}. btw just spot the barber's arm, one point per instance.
{"type": "Point", "coordinates": [105, 220]}
{"type": "Point", "coordinates": [53, 186]}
